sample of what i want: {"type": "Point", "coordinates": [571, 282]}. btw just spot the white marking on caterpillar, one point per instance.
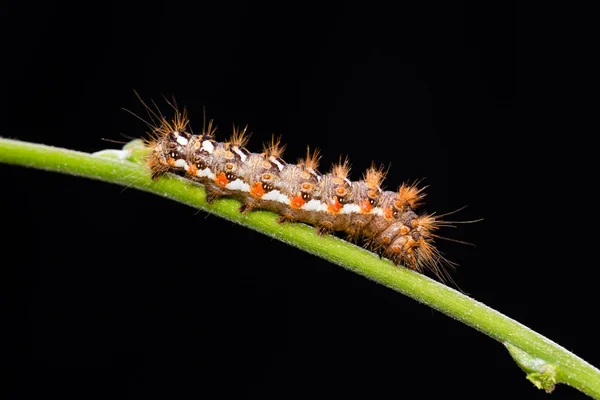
{"type": "Point", "coordinates": [238, 184]}
{"type": "Point", "coordinates": [377, 211]}
{"type": "Point", "coordinates": [284, 199]}
{"type": "Point", "coordinates": [274, 161]}
{"type": "Point", "coordinates": [276, 195]}
{"type": "Point", "coordinates": [315, 205]}
{"type": "Point", "coordinates": [208, 146]}
{"type": "Point", "coordinates": [205, 172]}
{"type": "Point", "coordinates": [181, 140]}
{"type": "Point", "coordinates": [240, 153]}
{"type": "Point", "coordinates": [272, 195]}
{"type": "Point", "coordinates": [181, 163]}
{"type": "Point", "coordinates": [311, 205]}
{"type": "Point", "coordinates": [350, 209]}
{"type": "Point", "coordinates": [315, 175]}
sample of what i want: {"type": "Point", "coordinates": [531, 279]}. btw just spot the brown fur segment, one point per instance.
{"type": "Point", "coordinates": [384, 221]}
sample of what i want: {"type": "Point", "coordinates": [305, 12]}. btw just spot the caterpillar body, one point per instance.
{"type": "Point", "coordinates": [385, 222]}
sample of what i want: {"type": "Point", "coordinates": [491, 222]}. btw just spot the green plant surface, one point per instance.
{"type": "Point", "coordinates": [545, 362]}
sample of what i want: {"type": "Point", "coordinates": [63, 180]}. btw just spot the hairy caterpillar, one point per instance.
{"type": "Point", "coordinates": [383, 221]}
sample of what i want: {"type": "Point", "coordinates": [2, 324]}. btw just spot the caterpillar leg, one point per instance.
{"type": "Point", "coordinates": [250, 204]}
{"type": "Point", "coordinates": [213, 192]}
{"type": "Point", "coordinates": [285, 218]}
{"type": "Point", "coordinates": [324, 228]}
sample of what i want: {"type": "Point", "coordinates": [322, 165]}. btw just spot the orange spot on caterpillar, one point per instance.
{"type": "Point", "coordinates": [192, 169]}
{"type": "Point", "coordinates": [388, 213]}
{"type": "Point", "coordinates": [297, 201]}
{"type": "Point", "coordinates": [365, 206]}
{"type": "Point", "coordinates": [257, 190]}
{"type": "Point", "coordinates": [221, 179]}
{"type": "Point", "coordinates": [171, 162]}
{"type": "Point", "coordinates": [396, 249]}
{"type": "Point", "coordinates": [334, 205]}
{"type": "Point", "coordinates": [410, 244]}
{"type": "Point", "coordinates": [340, 191]}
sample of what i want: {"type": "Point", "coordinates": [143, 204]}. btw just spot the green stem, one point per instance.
{"type": "Point", "coordinates": [546, 362]}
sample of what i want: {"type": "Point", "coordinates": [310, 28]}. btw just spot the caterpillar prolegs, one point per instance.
{"type": "Point", "coordinates": [383, 221]}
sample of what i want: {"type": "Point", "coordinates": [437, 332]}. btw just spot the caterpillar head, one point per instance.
{"type": "Point", "coordinates": [169, 152]}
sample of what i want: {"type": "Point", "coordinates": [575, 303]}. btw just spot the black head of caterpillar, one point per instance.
{"type": "Point", "coordinates": [384, 221]}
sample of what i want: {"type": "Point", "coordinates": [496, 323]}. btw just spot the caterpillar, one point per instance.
{"type": "Point", "coordinates": [383, 221]}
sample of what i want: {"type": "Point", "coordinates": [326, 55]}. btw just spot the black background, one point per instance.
{"type": "Point", "coordinates": [120, 293]}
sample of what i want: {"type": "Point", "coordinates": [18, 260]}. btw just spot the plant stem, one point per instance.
{"type": "Point", "coordinates": [545, 362]}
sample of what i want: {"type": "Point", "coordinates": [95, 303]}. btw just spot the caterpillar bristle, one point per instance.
{"type": "Point", "coordinates": [341, 170]}
{"type": "Point", "coordinates": [274, 148]}
{"type": "Point", "coordinates": [239, 138]}
{"type": "Point", "coordinates": [311, 160]}
{"type": "Point", "coordinates": [410, 195]}
{"type": "Point", "coordinates": [374, 177]}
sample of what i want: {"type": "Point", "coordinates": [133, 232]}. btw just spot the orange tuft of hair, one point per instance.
{"type": "Point", "coordinates": [374, 177]}
{"type": "Point", "coordinates": [430, 259]}
{"type": "Point", "coordinates": [239, 138]}
{"type": "Point", "coordinates": [274, 148]}
{"type": "Point", "coordinates": [409, 195]}
{"type": "Point", "coordinates": [311, 161]}
{"type": "Point", "coordinates": [341, 170]}
{"type": "Point", "coordinates": [427, 222]}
